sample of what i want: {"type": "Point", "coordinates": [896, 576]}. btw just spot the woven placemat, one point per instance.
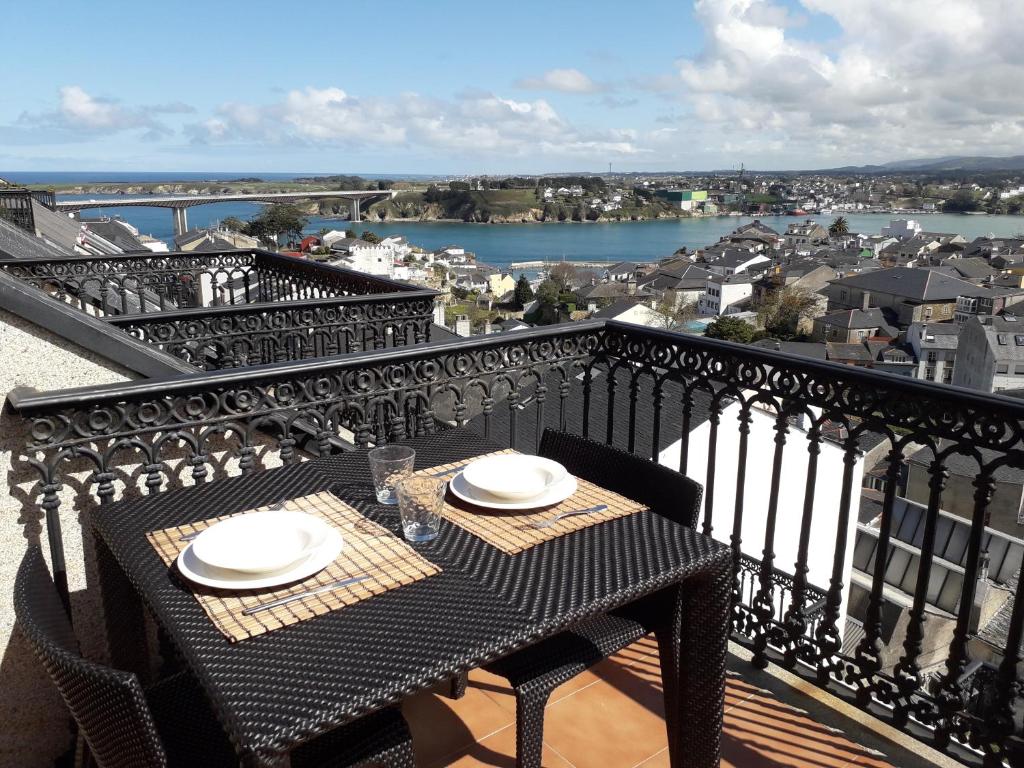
{"type": "Point", "coordinates": [369, 549]}
{"type": "Point", "coordinates": [514, 531]}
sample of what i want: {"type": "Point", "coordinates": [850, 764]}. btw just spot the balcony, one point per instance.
{"type": "Point", "coordinates": [235, 308]}
{"type": "Point", "coordinates": [781, 445]}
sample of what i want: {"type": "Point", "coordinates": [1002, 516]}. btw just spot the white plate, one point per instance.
{"type": "Point", "coordinates": [514, 476]}
{"type": "Point", "coordinates": [194, 569]}
{"type": "Point", "coordinates": [553, 495]}
{"type": "Point", "coordinates": [259, 543]}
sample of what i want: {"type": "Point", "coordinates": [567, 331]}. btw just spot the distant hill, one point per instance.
{"type": "Point", "coordinates": [939, 165]}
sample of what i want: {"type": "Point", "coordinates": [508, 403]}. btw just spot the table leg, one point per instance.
{"type": "Point", "coordinates": [693, 651]}
{"type": "Point", "coordinates": [123, 615]}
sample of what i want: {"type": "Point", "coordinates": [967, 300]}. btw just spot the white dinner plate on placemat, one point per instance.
{"type": "Point", "coordinates": [554, 494]}
{"type": "Point", "coordinates": [514, 476]}
{"type": "Point", "coordinates": [194, 569]}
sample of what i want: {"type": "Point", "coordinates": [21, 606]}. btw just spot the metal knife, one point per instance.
{"type": "Point", "coordinates": [298, 596]}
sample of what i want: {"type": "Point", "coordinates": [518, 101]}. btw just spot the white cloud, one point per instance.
{"type": "Point", "coordinates": [565, 80]}
{"type": "Point", "coordinates": [474, 124]}
{"type": "Point", "coordinates": [904, 78]}
{"type": "Point", "coordinates": [82, 115]}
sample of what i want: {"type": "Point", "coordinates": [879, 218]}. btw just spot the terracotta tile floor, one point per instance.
{"type": "Point", "coordinates": [611, 717]}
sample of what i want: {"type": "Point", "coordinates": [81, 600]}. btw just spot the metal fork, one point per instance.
{"type": "Point", "coordinates": [571, 513]}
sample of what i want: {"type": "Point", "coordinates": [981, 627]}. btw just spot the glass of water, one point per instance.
{"type": "Point", "coordinates": [420, 500]}
{"type": "Point", "coordinates": [388, 465]}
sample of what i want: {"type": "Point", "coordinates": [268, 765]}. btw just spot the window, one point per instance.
{"type": "Point", "coordinates": [932, 356]}
{"type": "Point", "coordinates": [947, 375]}
{"type": "Point", "coordinates": [1019, 340]}
{"type": "Point", "coordinates": [1001, 338]}
{"type": "Point", "coordinates": [842, 295]}
{"type": "Point", "coordinates": [1018, 369]}
{"type": "Point", "coordinates": [1002, 367]}
{"type": "Point", "coordinates": [929, 373]}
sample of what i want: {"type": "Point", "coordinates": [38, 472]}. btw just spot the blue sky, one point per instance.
{"type": "Point", "coordinates": [460, 87]}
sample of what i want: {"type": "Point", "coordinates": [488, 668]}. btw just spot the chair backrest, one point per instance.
{"type": "Point", "coordinates": [108, 704]}
{"type": "Point", "coordinates": [665, 491]}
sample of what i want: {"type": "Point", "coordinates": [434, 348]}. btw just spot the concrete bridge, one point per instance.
{"type": "Point", "coordinates": [179, 204]}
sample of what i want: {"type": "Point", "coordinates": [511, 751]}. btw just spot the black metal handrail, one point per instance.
{"type": "Point", "coordinates": [651, 392]}
{"type": "Point", "coordinates": [230, 336]}
{"type": "Point", "coordinates": [153, 282]}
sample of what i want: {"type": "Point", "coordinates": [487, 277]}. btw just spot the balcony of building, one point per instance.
{"type": "Point", "coordinates": [851, 624]}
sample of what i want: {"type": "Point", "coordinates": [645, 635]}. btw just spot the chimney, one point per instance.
{"type": "Point", "coordinates": [439, 312]}
{"type": "Point", "coordinates": [462, 326]}
{"type": "Point", "coordinates": [631, 287]}
{"type": "Point", "coordinates": [487, 327]}
{"type": "Point", "coordinates": [866, 302]}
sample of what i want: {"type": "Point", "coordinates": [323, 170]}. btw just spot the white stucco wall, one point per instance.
{"type": "Point", "coordinates": [33, 720]}
{"type": "Point", "coordinates": [757, 486]}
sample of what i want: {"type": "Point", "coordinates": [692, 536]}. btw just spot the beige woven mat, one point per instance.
{"type": "Point", "coordinates": [368, 549]}
{"type": "Point", "coordinates": [514, 531]}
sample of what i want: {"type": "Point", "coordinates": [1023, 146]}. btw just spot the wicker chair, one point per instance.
{"type": "Point", "coordinates": [537, 671]}
{"type": "Point", "coordinates": [171, 723]}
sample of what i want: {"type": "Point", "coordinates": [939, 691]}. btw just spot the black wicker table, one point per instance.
{"type": "Point", "coordinates": [276, 690]}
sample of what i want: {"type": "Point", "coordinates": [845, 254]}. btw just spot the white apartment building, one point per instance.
{"type": "Point", "coordinates": [723, 293]}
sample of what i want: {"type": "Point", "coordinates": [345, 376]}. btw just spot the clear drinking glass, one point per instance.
{"type": "Point", "coordinates": [420, 500]}
{"type": "Point", "coordinates": [388, 465]}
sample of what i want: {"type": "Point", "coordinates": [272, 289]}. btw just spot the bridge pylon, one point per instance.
{"type": "Point", "coordinates": [180, 221]}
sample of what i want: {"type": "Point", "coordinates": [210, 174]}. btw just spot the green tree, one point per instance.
{"type": "Point", "coordinates": [563, 274]}
{"type": "Point", "coordinates": [523, 294]}
{"type": "Point", "coordinates": [276, 221]}
{"type": "Point", "coordinates": [235, 224]}
{"type": "Point", "coordinates": [963, 201]}
{"type": "Point", "coordinates": [781, 311]}
{"type": "Point", "coordinates": [672, 314]}
{"type": "Point", "coordinates": [370, 237]}
{"type": "Point", "coordinates": [839, 226]}
{"type": "Point", "coordinates": [547, 293]}
{"type": "Point", "coordinates": [730, 329]}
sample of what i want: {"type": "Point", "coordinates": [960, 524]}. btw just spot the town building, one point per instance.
{"type": "Point", "coordinates": [990, 354]}
{"type": "Point", "coordinates": [914, 295]}
{"type": "Point", "coordinates": [934, 346]}
{"type": "Point", "coordinates": [853, 326]}
{"type": "Point", "coordinates": [726, 294]}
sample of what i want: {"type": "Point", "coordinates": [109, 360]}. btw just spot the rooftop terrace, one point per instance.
{"type": "Point", "coordinates": [250, 359]}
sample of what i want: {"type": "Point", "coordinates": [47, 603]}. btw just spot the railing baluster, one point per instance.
{"type": "Point", "coordinates": [907, 673]}
{"type": "Point", "coordinates": [610, 415]}
{"type": "Point", "coordinates": [1001, 722]}
{"type": "Point", "coordinates": [795, 621]}
{"type": "Point", "coordinates": [634, 393]}
{"type": "Point", "coordinates": [684, 430]}
{"type": "Point", "coordinates": [827, 635]}
{"type": "Point", "coordinates": [587, 382]}
{"type": "Point", "coordinates": [763, 606]}
{"type": "Point", "coordinates": [869, 650]}
{"type": "Point", "coordinates": [950, 698]}
{"type": "Point", "coordinates": [736, 538]}
{"type": "Point", "coordinates": [541, 395]}
{"type": "Point", "coordinates": [658, 396]}
{"type": "Point", "coordinates": [709, 483]}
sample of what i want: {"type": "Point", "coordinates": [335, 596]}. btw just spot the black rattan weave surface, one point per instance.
{"type": "Point", "coordinates": [274, 691]}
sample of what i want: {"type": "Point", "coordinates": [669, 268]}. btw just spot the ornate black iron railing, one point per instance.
{"type": "Point", "coordinates": [737, 418]}
{"type": "Point", "coordinates": [142, 283]}
{"type": "Point", "coordinates": [268, 332]}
